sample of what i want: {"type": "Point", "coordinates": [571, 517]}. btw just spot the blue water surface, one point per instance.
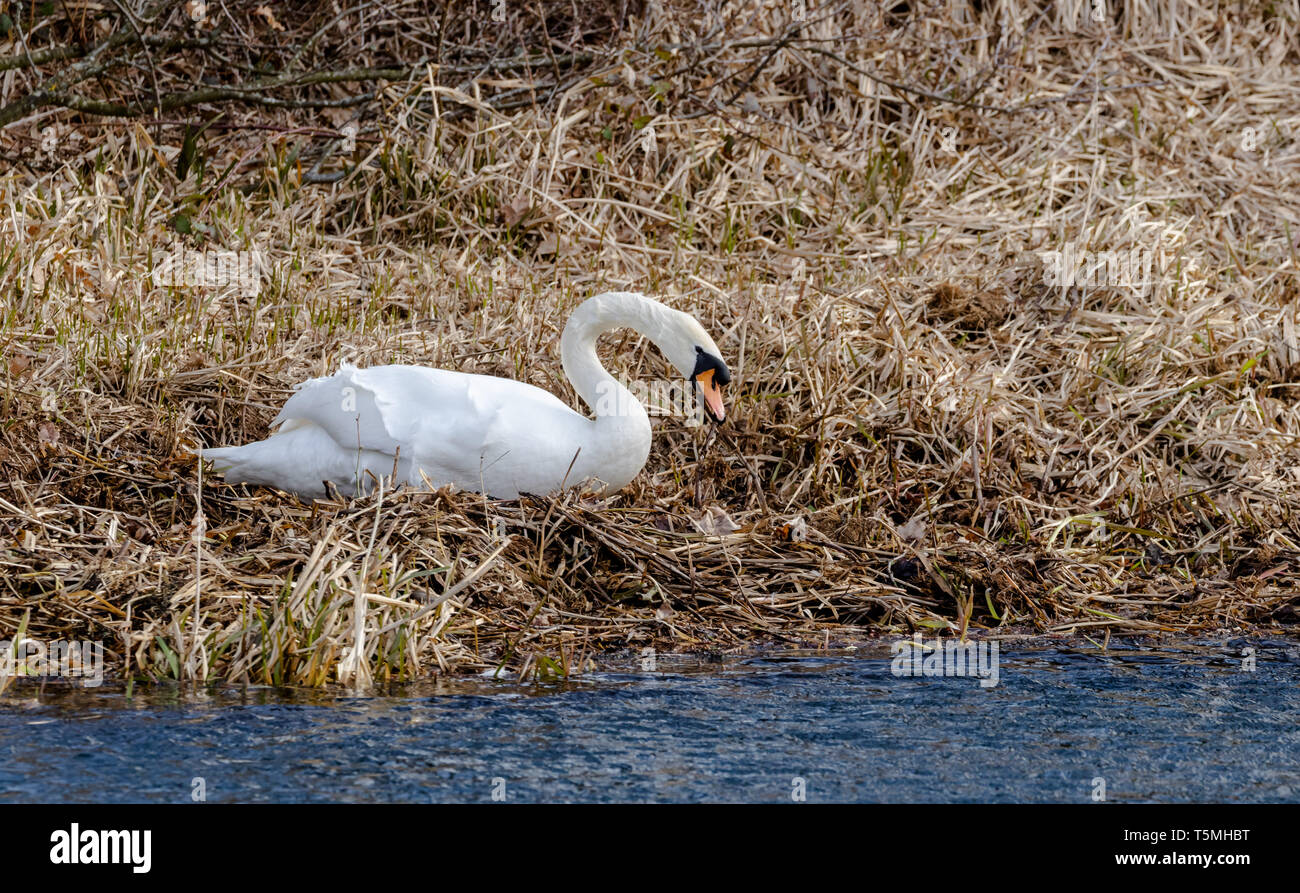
{"type": "Point", "coordinates": [1065, 725]}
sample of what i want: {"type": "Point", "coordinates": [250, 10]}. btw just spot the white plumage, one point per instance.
{"type": "Point", "coordinates": [478, 432]}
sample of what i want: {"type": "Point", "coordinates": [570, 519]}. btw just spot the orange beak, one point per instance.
{"type": "Point", "coordinates": [711, 391]}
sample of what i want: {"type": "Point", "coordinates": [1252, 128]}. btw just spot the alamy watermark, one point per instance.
{"type": "Point", "coordinates": [660, 397]}
{"type": "Point", "coordinates": [916, 657]}
{"type": "Point", "coordinates": [1137, 268]}
{"type": "Point", "coordinates": [72, 660]}
{"type": "Point", "coordinates": [76, 846]}
{"type": "Point", "coordinates": [210, 269]}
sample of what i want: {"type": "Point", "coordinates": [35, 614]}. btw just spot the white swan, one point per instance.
{"type": "Point", "coordinates": [478, 432]}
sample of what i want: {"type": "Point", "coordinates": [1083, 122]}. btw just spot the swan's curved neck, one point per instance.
{"type": "Point", "coordinates": [595, 316]}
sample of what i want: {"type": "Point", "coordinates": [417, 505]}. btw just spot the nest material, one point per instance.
{"type": "Point", "coordinates": [928, 430]}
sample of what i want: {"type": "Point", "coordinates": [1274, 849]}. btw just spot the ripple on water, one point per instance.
{"type": "Point", "coordinates": [1183, 724]}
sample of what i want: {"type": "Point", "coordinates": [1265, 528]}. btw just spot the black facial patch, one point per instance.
{"type": "Point", "coordinates": [705, 361]}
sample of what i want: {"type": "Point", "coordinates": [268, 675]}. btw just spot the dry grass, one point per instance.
{"type": "Point", "coordinates": [926, 432]}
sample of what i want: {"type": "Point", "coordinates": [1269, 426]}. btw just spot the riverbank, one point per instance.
{"type": "Point", "coordinates": [1010, 351]}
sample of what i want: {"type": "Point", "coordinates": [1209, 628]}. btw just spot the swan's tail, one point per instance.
{"type": "Point", "coordinates": [254, 463]}
{"type": "Point", "coordinates": [300, 457]}
{"type": "Point", "coordinates": [226, 459]}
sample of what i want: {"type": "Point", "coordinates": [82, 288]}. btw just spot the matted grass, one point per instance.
{"type": "Point", "coordinates": [927, 430]}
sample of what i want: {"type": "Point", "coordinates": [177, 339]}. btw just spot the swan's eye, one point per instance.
{"type": "Point", "coordinates": [707, 362]}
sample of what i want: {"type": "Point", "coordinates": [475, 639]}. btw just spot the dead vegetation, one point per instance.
{"type": "Point", "coordinates": [930, 429]}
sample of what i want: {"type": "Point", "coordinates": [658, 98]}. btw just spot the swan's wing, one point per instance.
{"type": "Point", "coordinates": [438, 418]}
{"type": "Point", "coordinates": [345, 409]}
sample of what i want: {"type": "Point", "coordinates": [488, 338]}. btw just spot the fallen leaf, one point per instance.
{"type": "Point", "coordinates": [550, 245]}
{"type": "Point", "coordinates": [914, 530]}
{"type": "Point", "coordinates": [265, 12]}
{"type": "Point", "coordinates": [713, 521]}
{"type": "Point", "coordinates": [514, 211]}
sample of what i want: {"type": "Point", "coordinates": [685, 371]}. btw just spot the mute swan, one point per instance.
{"type": "Point", "coordinates": [481, 433]}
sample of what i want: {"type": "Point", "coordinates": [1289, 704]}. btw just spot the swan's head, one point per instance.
{"type": "Point", "coordinates": [692, 351]}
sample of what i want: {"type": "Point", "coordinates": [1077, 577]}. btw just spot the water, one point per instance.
{"type": "Point", "coordinates": [1181, 725]}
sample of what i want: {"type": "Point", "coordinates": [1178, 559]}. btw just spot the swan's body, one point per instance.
{"type": "Point", "coordinates": [478, 432]}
